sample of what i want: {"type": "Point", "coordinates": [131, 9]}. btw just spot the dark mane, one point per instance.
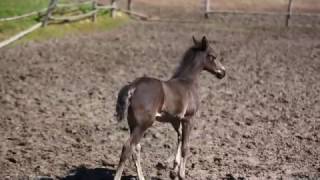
{"type": "Point", "coordinates": [188, 64]}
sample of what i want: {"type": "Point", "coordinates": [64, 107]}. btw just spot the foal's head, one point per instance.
{"type": "Point", "coordinates": [209, 58]}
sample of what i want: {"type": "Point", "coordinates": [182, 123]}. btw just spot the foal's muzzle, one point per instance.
{"type": "Point", "coordinates": [220, 74]}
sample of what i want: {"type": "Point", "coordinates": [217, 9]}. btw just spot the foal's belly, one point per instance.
{"type": "Point", "coordinates": [169, 117]}
{"type": "Point", "coordinates": [165, 117]}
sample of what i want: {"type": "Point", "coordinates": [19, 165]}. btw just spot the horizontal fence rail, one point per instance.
{"type": "Point", "coordinates": [74, 4]}
{"type": "Point", "coordinates": [260, 13]}
{"type": "Point", "coordinates": [23, 15]}
{"type": "Point", "coordinates": [73, 18]}
{"type": "Point", "coordinates": [289, 13]}
{"type": "Point", "coordinates": [19, 35]}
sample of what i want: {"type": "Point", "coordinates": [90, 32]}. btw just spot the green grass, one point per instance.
{"type": "Point", "coordinates": [103, 22]}
{"type": "Point", "coordinates": [9, 28]}
{"type": "Point", "coordinates": [9, 8]}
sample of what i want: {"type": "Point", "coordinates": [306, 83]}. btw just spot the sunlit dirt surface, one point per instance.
{"type": "Point", "coordinates": [57, 100]}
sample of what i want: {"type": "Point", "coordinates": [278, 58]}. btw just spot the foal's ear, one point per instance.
{"type": "Point", "coordinates": [204, 43]}
{"type": "Point", "coordinates": [195, 41]}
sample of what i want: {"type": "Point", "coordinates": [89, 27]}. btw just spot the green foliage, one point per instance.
{"type": "Point", "coordinates": [85, 8]}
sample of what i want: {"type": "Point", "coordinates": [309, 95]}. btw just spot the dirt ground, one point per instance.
{"type": "Point", "coordinates": [262, 121]}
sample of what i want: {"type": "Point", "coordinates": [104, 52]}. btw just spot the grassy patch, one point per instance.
{"type": "Point", "coordinates": [9, 8]}
{"type": "Point", "coordinates": [9, 28]}
{"type": "Point", "coordinates": [103, 22]}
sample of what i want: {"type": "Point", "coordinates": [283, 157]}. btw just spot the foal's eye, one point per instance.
{"type": "Point", "coordinates": [211, 58]}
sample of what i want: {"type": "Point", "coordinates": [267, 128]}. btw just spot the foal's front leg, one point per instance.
{"type": "Point", "coordinates": [178, 153]}
{"type": "Point", "coordinates": [186, 130]}
{"type": "Point", "coordinates": [176, 164]}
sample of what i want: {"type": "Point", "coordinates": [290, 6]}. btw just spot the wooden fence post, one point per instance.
{"type": "Point", "coordinates": [114, 8]}
{"type": "Point", "coordinates": [129, 6]}
{"type": "Point", "coordinates": [289, 12]}
{"type": "Point", "coordinates": [94, 7]}
{"type": "Point", "coordinates": [51, 7]}
{"type": "Point", "coordinates": [207, 8]}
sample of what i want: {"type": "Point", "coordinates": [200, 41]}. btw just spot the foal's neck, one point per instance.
{"type": "Point", "coordinates": [189, 68]}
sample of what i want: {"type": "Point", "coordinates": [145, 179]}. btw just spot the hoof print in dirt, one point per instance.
{"type": "Point", "coordinates": [156, 178]}
{"type": "Point", "coordinates": [231, 177]}
{"type": "Point", "coordinates": [82, 173]}
{"type": "Point", "coordinates": [43, 178]}
{"type": "Point", "coordinates": [160, 166]}
{"type": "Point", "coordinates": [173, 174]}
{"type": "Point", "coordinates": [12, 160]}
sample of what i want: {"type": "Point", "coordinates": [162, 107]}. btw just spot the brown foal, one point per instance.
{"type": "Point", "coordinates": [175, 101]}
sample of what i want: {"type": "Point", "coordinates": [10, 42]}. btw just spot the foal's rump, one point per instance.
{"type": "Point", "coordinates": [144, 97]}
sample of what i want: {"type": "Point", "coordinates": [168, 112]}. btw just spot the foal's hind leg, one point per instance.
{"type": "Point", "coordinates": [127, 149]}
{"type": "Point", "coordinates": [137, 160]}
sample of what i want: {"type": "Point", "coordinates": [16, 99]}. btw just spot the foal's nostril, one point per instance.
{"type": "Point", "coordinates": [221, 74]}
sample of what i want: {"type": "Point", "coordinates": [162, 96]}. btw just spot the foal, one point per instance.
{"type": "Point", "coordinates": [175, 101]}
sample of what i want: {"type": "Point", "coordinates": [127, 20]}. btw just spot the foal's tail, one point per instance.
{"type": "Point", "coordinates": [123, 101]}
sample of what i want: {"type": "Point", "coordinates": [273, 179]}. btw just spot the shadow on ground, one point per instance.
{"type": "Point", "coordinates": [83, 173]}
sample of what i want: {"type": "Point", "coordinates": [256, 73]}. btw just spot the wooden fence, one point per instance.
{"type": "Point", "coordinates": [288, 13]}
{"type": "Point", "coordinates": [46, 16]}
